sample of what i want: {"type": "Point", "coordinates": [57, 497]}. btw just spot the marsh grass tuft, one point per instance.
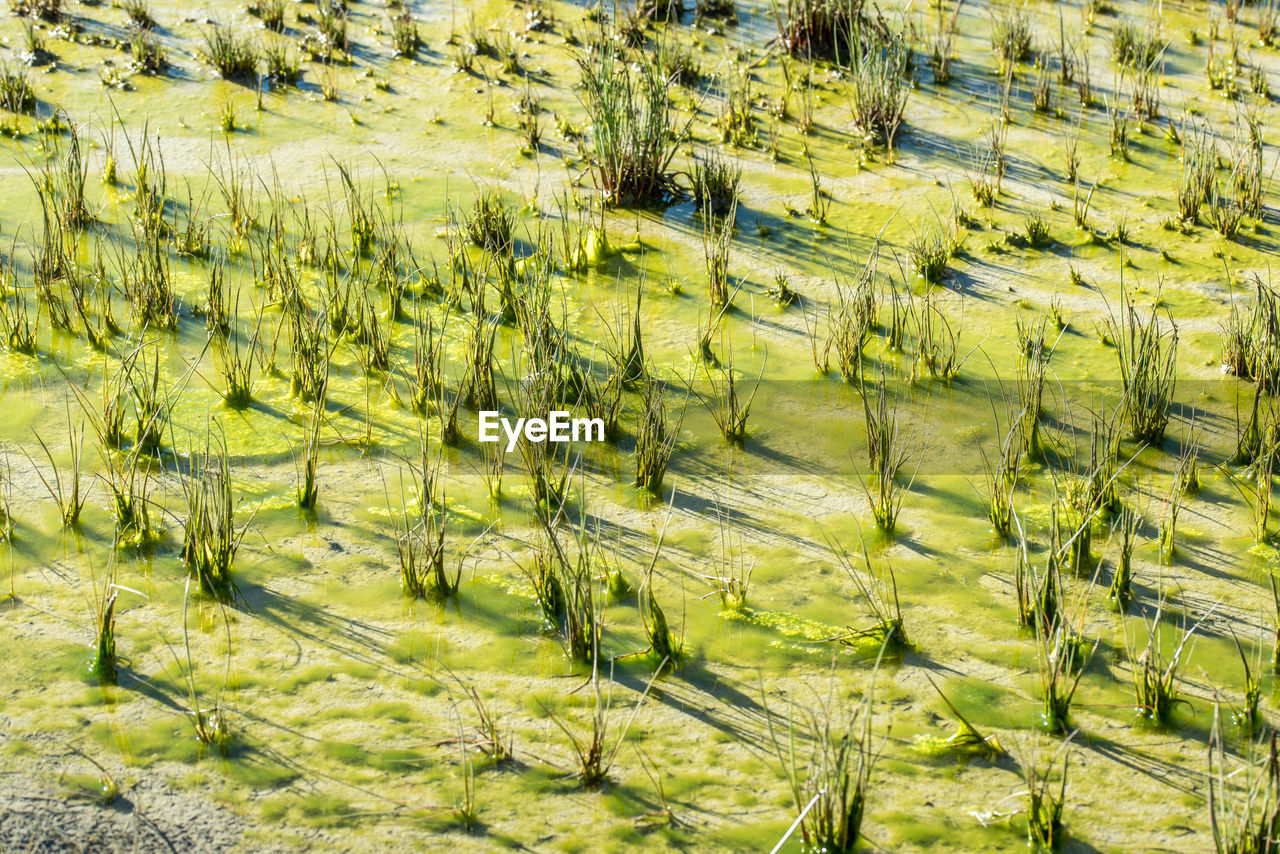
{"type": "Point", "coordinates": [656, 438]}
{"type": "Point", "coordinates": [1243, 803]}
{"type": "Point", "coordinates": [16, 94]}
{"type": "Point", "coordinates": [1062, 659]}
{"type": "Point", "coordinates": [1011, 32]}
{"type": "Point", "coordinates": [210, 536]}
{"type": "Point", "coordinates": [714, 184]}
{"type": "Point", "coordinates": [717, 240]}
{"type": "Point", "coordinates": [888, 455]}
{"type": "Point", "coordinates": [633, 136]}
{"type": "Point", "coordinates": [491, 223]}
{"type": "Point", "coordinates": [594, 754]}
{"type": "Point", "coordinates": [404, 34]}
{"type": "Point", "coordinates": [308, 486]}
{"type": "Point", "coordinates": [881, 87]}
{"type": "Point", "coordinates": [103, 663]}
{"type": "Point", "coordinates": [563, 574]}
{"type": "Point", "coordinates": [878, 587]}
{"type": "Point", "coordinates": [1126, 526]}
{"type": "Point", "coordinates": [728, 407]}
{"type": "Point", "coordinates": [833, 30]}
{"type": "Point", "coordinates": [666, 648]}
{"type": "Point", "coordinates": [67, 495]}
{"type": "Point", "coordinates": [1043, 807]}
{"type": "Point", "coordinates": [827, 759]}
{"type": "Point", "coordinates": [234, 57]}
{"type": "Point", "coordinates": [1147, 353]}
{"type": "Point", "coordinates": [1156, 676]}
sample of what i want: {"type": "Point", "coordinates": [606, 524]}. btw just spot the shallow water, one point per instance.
{"type": "Point", "coordinates": [345, 701]}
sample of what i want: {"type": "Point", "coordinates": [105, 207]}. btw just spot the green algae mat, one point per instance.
{"type": "Point", "coordinates": [814, 425]}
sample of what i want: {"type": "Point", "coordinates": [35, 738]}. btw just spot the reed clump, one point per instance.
{"type": "Point", "coordinates": [714, 184]}
{"type": "Point", "coordinates": [1011, 32]}
{"type": "Point", "coordinates": [1244, 802]}
{"type": "Point", "coordinates": [877, 585]}
{"type": "Point", "coordinates": [851, 322]}
{"type": "Point", "coordinates": [828, 29]}
{"type": "Point", "coordinates": [103, 663]}
{"type": "Point", "coordinates": [655, 439]}
{"type": "Point", "coordinates": [1126, 526]}
{"type": "Point", "coordinates": [881, 87]}
{"type": "Point", "coordinates": [717, 241]}
{"type": "Point", "coordinates": [1043, 806]}
{"type": "Point", "coordinates": [210, 537]}
{"type": "Point", "coordinates": [633, 135]}
{"type": "Point", "coordinates": [666, 648]}
{"type": "Point", "coordinates": [16, 94]}
{"type": "Point", "coordinates": [404, 34]}
{"type": "Point", "coordinates": [234, 57]}
{"type": "Point", "coordinates": [1147, 352]}
{"type": "Point", "coordinates": [888, 455]}
{"type": "Point", "coordinates": [69, 494]}
{"type": "Point", "coordinates": [491, 223]}
{"type": "Point", "coordinates": [828, 757]}
{"type": "Point", "coordinates": [1157, 675]}
{"type": "Point", "coordinates": [563, 573]}
{"type": "Point", "coordinates": [593, 752]}
{"type": "Point", "coordinates": [727, 405]}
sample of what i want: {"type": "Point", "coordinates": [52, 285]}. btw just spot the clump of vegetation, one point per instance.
{"type": "Point", "coordinates": [655, 439]}
{"type": "Point", "coordinates": [404, 34]}
{"type": "Point", "coordinates": [146, 56]}
{"type": "Point", "coordinates": [781, 290]}
{"type": "Point", "coordinates": [234, 57]}
{"type": "Point", "coordinates": [1127, 524]}
{"type": "Point", "coordinates": [563, 575]}
{"type": "Point", "coordinates": [45, 10]}
{"type": "Point", "coordinates": [1156, 677]}
{"type": "Point", "coordinates": [1043, 806]}
{"type": "Point", "coordinates": [632, 132]}
{"type": "Point", "coordinates": [139, 12]}
{"type": "Point", "coordinates": [835, 30]}
{"type": "Point", "coordinates": [878, 587]}
{"type": "Point", "coordinates": [929, 253]}
{"type": "Point", "coordinates": [717, 240]}
{"type": "Point", "coordinates": [714, 184]}
{"type": "Point", "coordinates": [69, 494]}
{"type": "Point", "coordinates": [1062, 661]}
{"type": "Point", "coordinates": [880, 90]}
{"type": "Point", "coordinates": [1244, 803]}
{"type": "Point", "coordinates": [1037, 231]}
{"type": "Point", "coordinates": [828, 757]}
{"type": "Point", "coordinates": [270, 12]}
{"type": "Point", "coordinates": [210, 537]}
{"type": "Point", "coordinates": [1011, 32]}
{"type": "Point", "coordinates": [678, 63]}
{"type": "Point", "coordinates": [420, 546]}
{"type": "Point", "coordinates": [1147, 353]}
{"type": "Point", "coordinates": [727, 406]}
{"type": "Point", "coordinates": [942, 43]}
{"type": "Point", "coordinates": [888, 455]}
{"type": "Point", "coordinates": [282, 66]}
{"type": "Point", "coordinates": [491, 223]}
{"type": "Point", "coordinates": [666, 649]}
{"type": "Point", "coordinates": [716, 10]}
{"type": "Point", "coordinates": [1136, 48]}
{"type": "Point", "coordinates": [16, 94]}
{"type": "Point", "coordinates": [103, 663]}
{"type": "Point", "coordinates": [593, 754]}
{"type": "Point", "coordinates": [1198, 172]}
